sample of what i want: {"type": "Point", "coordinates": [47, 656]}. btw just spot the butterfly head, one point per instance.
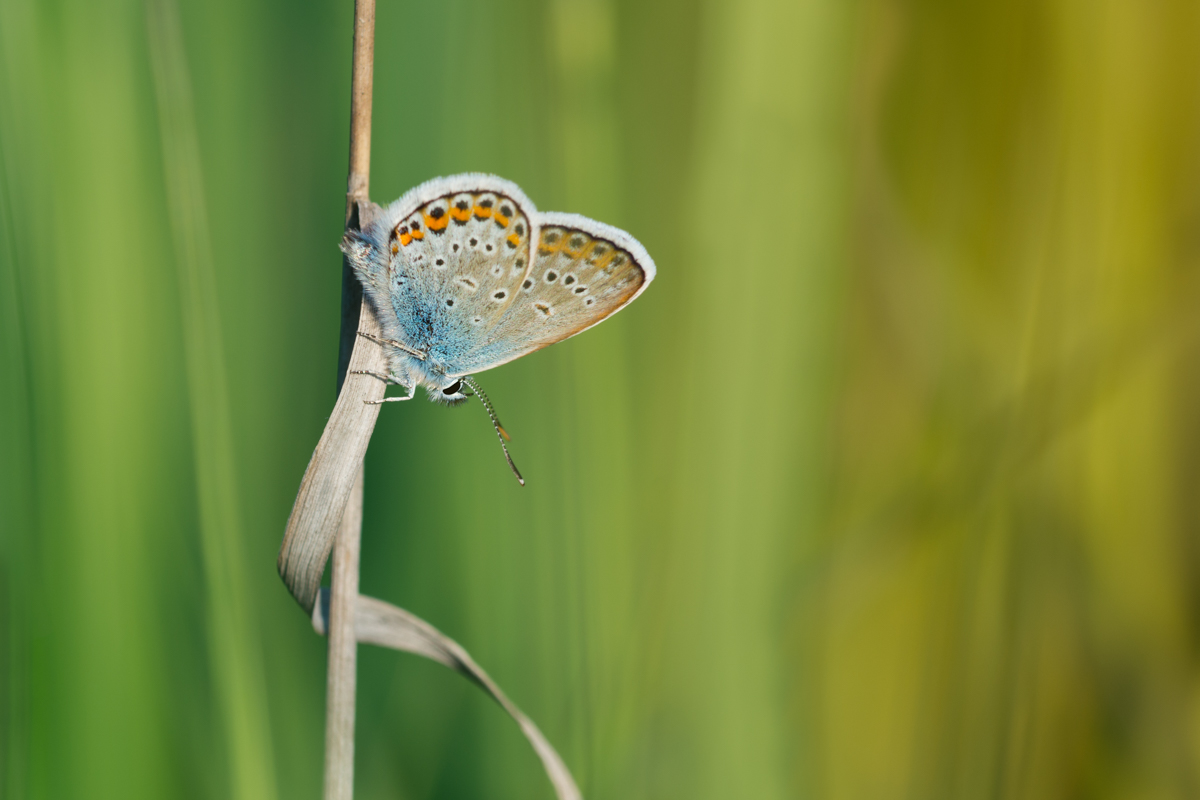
{"type": "Point", "coordinates": [450, 392]}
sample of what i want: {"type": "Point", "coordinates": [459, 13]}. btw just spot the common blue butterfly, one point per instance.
{"type": "Point", "coordinates": [465, 275]}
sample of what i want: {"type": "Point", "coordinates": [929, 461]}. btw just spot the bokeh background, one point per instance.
{"type": "Point", "coordinates": [887, 488]}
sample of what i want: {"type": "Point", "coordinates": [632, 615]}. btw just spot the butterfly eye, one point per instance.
{"type": "Point", "coordinates": [452, 388]}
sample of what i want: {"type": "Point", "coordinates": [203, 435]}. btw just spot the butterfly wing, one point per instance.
{"type": "Point", "coordinates": [456, 250]}
{"type": "Point", "coordinates": [452, 268]}
{"type": "Point", "coordinates": [582, 272]}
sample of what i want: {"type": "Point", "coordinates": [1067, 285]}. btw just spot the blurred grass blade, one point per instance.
{"type": "Point", "coordinates": [16, 494]}
{"type": "Point", "coordinates": [383, 624]}
{"type": "Point", "coordinates": [236, 665]}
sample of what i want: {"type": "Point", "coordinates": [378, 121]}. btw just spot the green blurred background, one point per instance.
{"type": "Point", "coordinates": [887, 488]}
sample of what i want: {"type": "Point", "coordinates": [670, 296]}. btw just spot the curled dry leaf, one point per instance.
{"type": "Point", "coordinates": [386, 625]}
{"type": "Point", "coordinates": [330, 475]}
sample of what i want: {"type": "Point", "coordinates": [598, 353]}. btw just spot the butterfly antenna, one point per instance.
{"type": "Point", "coordinates": [501, 434]}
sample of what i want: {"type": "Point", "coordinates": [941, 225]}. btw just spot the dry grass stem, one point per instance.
{"type": "Point", "coordinates": [327, 514]}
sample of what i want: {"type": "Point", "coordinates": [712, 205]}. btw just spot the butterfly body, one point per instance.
{"type": "Point", "coordinates": [465, 274]}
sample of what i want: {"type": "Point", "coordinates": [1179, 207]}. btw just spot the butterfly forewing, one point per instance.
{"type": "Point", "coordinates": [456, 263]}
{"type": "Point", "coordinates": [582, 272]}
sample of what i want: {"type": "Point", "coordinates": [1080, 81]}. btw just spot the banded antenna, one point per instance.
{"type": "Point", "coordinates": [501, 434]}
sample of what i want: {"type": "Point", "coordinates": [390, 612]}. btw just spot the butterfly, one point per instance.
{"type": "Point", "coordinates": [465, 274]}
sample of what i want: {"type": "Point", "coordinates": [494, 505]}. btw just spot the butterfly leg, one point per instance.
{"type": "Point", "coordinates": [391, 379]}
{"type": "Point", "coordinates": [399, 345]}
{"type": "Point", "coordinates": [412, 392]}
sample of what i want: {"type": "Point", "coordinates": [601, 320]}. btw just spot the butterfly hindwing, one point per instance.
{"type": "Point", "coordinates": [582, 272]}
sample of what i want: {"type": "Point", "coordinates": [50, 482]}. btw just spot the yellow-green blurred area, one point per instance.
{"type": "Point", "coordinates": [886, 488]}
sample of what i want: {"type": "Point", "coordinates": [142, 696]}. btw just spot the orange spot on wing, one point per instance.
{"type": "Point", "coordinates": [501, 220]}
{"type": "Point", "coordinates": [601, 261]}
{"type": "Point", "coordinates": [482, 213]}
{"type": "Point", "coordinates": [514, 240]}
{"type": "Point", "coordinates": [405, 239]}
{"type": "Point", "coordinates": [436, 224]}
{"type": "Point", "coordinates": [461, 214]}
{"type": "Point", "coordinates": [418, 234]}
{"type": "Point", "coordinates": [395, 249]}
